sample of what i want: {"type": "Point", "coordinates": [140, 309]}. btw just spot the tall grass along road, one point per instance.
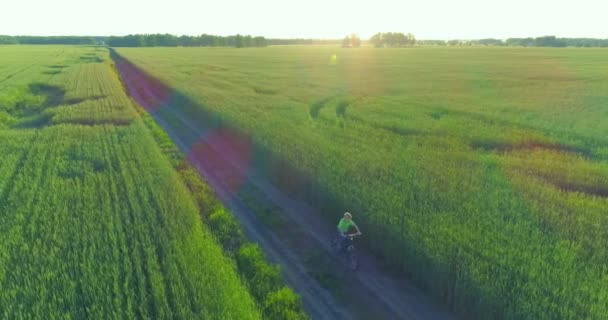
{"type": "Point", "coordinates": [95, 223]}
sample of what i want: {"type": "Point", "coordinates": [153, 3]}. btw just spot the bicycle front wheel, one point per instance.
{"type": "Point", "coordinates": [354, 262]}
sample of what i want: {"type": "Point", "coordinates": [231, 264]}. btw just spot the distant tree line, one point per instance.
{"type": "Point", "coordinates": [50, 40]}
{"type": "Point", "coordinates": [393, 39]}
{"type": "Point", "coordinates": [143, 40]}
{"type": "Point", "coordinates": [352, 41]}
{"type": "Point", "coordinates": [169, 40]}
{"type": "Point", "coordinates": [282, 42]}
{"type": "Point", "coordinates": [387, 39]}
{"type": "Point", "coordinates": [166, 40]}
{"type": "Point", "coordinates": [551, 41]}
{"type": "Point", "coordinates": [546, 41]}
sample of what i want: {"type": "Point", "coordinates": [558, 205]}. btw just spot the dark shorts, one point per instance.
{"type": "Point", "coordinates": [344, 241]}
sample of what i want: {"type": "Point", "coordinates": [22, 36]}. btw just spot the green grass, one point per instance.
{"type": "Point", "coordinates": [95, 221]}
{"type": "Point", "coordinates": [482, 172]}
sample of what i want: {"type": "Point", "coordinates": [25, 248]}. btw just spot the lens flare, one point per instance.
{"type": "Point", "coordinates": [333, 60]}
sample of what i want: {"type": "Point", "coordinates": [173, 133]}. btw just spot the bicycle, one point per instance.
{"type": "Point", "coordinates": [344, 244]}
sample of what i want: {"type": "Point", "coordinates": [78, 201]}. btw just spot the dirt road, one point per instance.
{"type": "Point", "coordinates": [292, 233]}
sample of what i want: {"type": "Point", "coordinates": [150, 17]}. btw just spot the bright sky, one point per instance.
{"type": "Point", "coordinates": [427, 19]}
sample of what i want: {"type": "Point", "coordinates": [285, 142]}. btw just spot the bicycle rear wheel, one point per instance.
{"type": "Point", "coordinates": [354, 262]}
{"type": "Point", "coordinates": [335, 245]}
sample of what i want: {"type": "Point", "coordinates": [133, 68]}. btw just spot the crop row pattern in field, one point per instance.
{"type": "Point", "coordinates": [95, 221]}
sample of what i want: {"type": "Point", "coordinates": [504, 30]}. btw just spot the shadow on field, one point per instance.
{"type": "Point", "coordinates": [339, 103]}
{"type": "Point", "coordinates": [262, 160]}
{"type": "Point", "coordinates": [572, 186]}
{"type": "Point", "coordinates": [503, 147]}
{"type": "Point", "coordinates": [266, 91]}
{"type": "Point", "coordinates": [541, 149]}
{"type": "Point", "coordinates": [74, 101]}
{"type": "Point", "coordinates": [32, 115]}
{"type": "Point", "coordinates": [90, 59]}
{"type": "Point", "coordinates": [54, 69]}
{"type": "Point", "coordinates": [316, 107]}
{"type": "Point", "coordinates": [52, 72]}
{"type": "Point", "coordinates": [30, 111]}
{"type": "Point", "coordinates": [341, 108]}
{"type": "Point", "coordinates": [252, 179]}
{"type": "Point", "coordinates": [54, 94]}
{"type": "Point", "coordinates": [76, 164]}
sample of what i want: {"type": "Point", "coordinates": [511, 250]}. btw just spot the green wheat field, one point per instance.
{"type": "Point", "coordinates": [479, 173]}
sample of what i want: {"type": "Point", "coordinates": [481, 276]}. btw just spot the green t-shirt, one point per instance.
{"type": "Point", "coordinates": [345, 225]}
